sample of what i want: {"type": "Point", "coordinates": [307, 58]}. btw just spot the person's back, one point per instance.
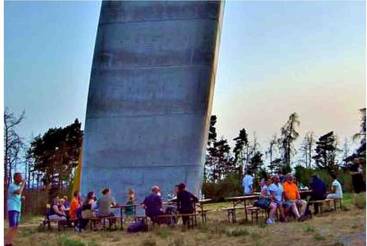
{"type": "Point", "coordinates": [104, 205]}
{"type": "Point", "coordinates": [318, 188]}
{"type": "Point", "coordinates": [247, 183]}
{"type": "Point", "coordinates": [338, 189]}
{"type": "Point", "coordinates": [153, 205]}
{"type": "Point", "coordinates": [186, 202]}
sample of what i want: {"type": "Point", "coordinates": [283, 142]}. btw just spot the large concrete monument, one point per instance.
{"type": "Point", "coordinates": [150, 96]}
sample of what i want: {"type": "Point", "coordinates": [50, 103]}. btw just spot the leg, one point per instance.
{"type": "Point", "coordinates": [302, 204]}
{"type": "Point", "coordinates": [13, 217]}
{"type": "Point", "coordinates": [295, 210]}
{"type": "Point", "coordinates": [273, 210]}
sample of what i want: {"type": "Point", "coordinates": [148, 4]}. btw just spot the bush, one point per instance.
{"type": "Point", "coordinates": [230, 186]}
{"type": "Point", "coordinates": [359, 200]}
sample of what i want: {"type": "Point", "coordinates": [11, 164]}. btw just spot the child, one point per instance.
{"type": "Point", "coordinates": [129, 210]}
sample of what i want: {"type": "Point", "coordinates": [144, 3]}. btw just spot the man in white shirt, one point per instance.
{"type": "Point", "coordinates": [336, 188]}
{"type": "Point", "coordinates": [247, 183]}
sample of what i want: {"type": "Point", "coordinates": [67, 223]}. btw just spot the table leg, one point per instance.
{"type": "Point", "coordinates": [121, 219]}
{"type": "Point", "coordinates": [244, 202]}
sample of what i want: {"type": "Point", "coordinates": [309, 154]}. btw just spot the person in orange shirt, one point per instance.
{"type": "Point", "coordinates": [74, 205]}
{"type": "Point", "coordinates": [292, 198]}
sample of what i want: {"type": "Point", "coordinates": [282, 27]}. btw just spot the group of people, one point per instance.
{"type": "Point", "coordinates": [79, 211]}
{"type": "Point", "coordinates": [282, 194]}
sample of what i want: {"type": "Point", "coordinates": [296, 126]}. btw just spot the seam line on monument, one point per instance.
{"type": "Point", "coordinates": [142, 115]}
{"type": "Point", "coordinates": [149, 67]}
{"type": "Point", "coordinates": [157, 20]}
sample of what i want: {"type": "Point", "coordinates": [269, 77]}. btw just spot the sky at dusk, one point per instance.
{"type": "Point", "coordinates": [275, 58]}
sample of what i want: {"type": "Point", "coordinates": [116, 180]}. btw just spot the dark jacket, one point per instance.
{"type": "Point", "coordinates": [153, 204]}
{"type": "Point", "coordinates": [186, 202]}
{"type": "Point", "coordinates": [318, 188]}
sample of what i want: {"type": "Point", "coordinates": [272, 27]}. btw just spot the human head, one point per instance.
{"type": "Point", "coordinates": [156, 189]}
{"type": "Point", "coordinates": [275, 179]}
{"type": "Point", "coordinates": [289, 178]}
{"type": "Point", "coordinates": [55, 201]}
{"type": "Point", "coordinates": [130, 192]}
{"type": "Point", "coordinates": [181, 187]}
{"type": "Point", "coordinates": [76, 194]}
{"type": "Point", "coordinates": [17, 178]}
{"type": "Point", "coordinates": [91, 196]}
{"type": "Point", "coordinates": [106, 191]}
{"type": "Point", "coordinates": [61, 201]}
{"type": "Point", "coordinates": [333, 175]}
{"type": "Point", "coordinates": [65, 198]}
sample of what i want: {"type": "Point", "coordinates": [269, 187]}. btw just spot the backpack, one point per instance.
{"type": "Point", "coordinates": [137, 227]}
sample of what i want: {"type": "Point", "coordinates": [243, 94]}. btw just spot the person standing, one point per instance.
{"type": "Point", "coordinates": [247, 183]}
{"type": "Point", "coordinates": [185, 202]}
{"type": "Point", "coordinates": [357, 177]}
{"type": "Point", "coordinates": [14, 203]}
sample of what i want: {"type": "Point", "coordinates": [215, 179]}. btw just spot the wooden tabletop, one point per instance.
{"type": "Point", "coordinates": [125, 205]}
{"type": "Point", "coordinates": [237, 198]}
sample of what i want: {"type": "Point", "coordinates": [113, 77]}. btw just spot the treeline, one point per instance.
{"type": "Point", "coordinates": [48, 162]}
{"type": "Point", "coordinates": [225, 165]}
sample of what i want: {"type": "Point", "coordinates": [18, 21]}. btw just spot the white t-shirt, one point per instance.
{"type": "Point", "coordinates": [338, 188]}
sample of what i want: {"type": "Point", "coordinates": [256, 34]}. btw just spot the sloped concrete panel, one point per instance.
{"type": "Point", "coordinates": [150, 96]}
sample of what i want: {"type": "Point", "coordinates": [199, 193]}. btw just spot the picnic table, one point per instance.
{"type": "Point", "coordinates": [122, 207]}
{"type": "Point", "coordinates": [239, 199]}
{"type": "Point", "coordinates": [199, 205]}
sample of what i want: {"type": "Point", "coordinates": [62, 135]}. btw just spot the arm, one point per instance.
{"type": "Point", "coordinates": [20, 190]}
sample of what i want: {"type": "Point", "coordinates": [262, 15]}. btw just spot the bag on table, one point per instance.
{"type": "Point", "coordinates": [263, 203]}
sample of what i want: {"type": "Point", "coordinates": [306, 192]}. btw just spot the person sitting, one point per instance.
{"type": "Point", "coordinates": [185, 202]}
{"type": "Point", "coordinates": [74, 205]}
{"type": "Point", "coordinates": [55, 212]}
{"type": "Point", "coordinates": [292, 198]}
{"type": "Point", "coordinates": [318, 191]}
{"type": "Point", "coordinates": [86, 211]}
{"type": "Point", "coordinates": [66, 203]}
{"type": "Point", "coordinates": [275, 190]}
{"type": "Point", "coordinates": [247, 183]}
{"type": "Point", "coordinates": [130, 209]}
{"type": "Point", "coordinates": [105, 202]}
{"type": "Point", "coordinates": [153, 205]}
{"type": "Point", "coordinates": [336, 187]}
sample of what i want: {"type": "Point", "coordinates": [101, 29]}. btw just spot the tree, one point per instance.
{"type": "Point", "coordinates": [288, 135]}
{"type": "Point", "coordinates": [221, 163]}
{"type": "Point", "coordinates": [326, 148]}
{"type": "Point", "coordinates": [361, 135]}
{"type": "Point", "coordinates": [238, 150]}
{"type": "Point", "coordinates": [271, 150]}
{"type": "Point", "coordinates": [212, 138]}
{"type": "Point", "coordinates": [13, 145]}
{"type": "Point", "coordinates": [256, 162]}
{"type": "Point", "coordinates": [55, 155]}
{"type": "Point", "coordinates": [307, 148]}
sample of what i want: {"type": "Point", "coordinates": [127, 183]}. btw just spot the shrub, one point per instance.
{"type": "Point", "coordinates": [230, 186]}
{"type": "Point", "coordinates": [359, 200]}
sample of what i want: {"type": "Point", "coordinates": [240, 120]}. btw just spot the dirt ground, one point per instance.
{"type": "Point", "coordinates": [344, 227]}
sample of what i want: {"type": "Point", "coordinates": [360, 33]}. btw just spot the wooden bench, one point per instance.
{"type": "Point", "coordinates": [203, 214]}
{"type": "Point", "coordinates": [254, 212]}
{"type": "Point", "coordinates": [321, 203]}
{"type": "Point", "coordinates": [231, 213]}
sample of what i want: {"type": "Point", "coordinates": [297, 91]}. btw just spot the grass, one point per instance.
{"type": "Point", "coordinates": [326, 229]}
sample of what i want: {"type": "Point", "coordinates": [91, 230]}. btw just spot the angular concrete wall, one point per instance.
{"type": "Point", "coordinates": [150, 96]}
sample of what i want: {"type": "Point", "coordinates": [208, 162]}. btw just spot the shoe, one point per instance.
{"type": "Point", "coordinates": [269, 221]}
